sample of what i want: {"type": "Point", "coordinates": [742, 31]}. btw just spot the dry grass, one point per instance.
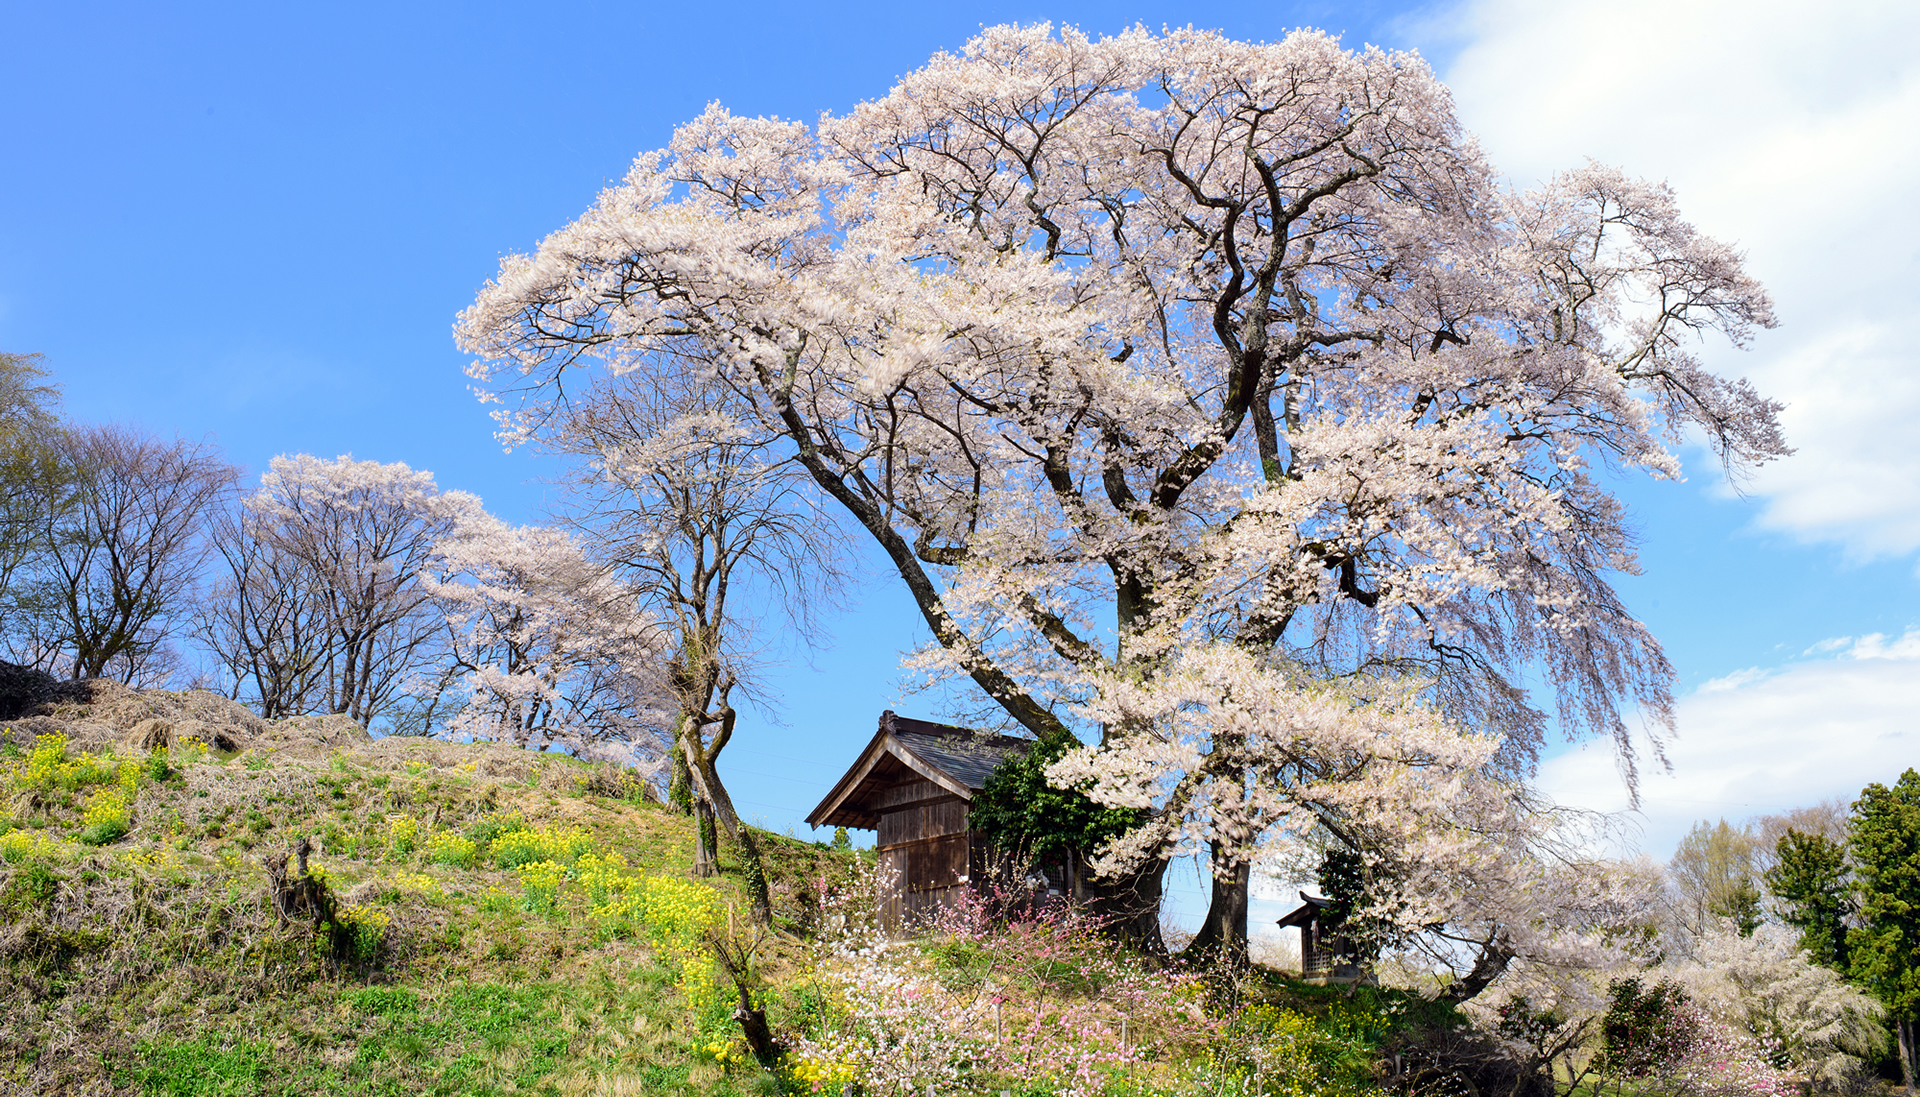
{"type": "Point", "coordinates": [156, 963]}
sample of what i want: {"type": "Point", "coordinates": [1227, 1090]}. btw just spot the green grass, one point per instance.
{"type": "Point", "coordinates": [463, 1039]}
{"type": "Point", "coordinates": [165, 967]}
{"type": "Point", "coordinates": [204, 1067]}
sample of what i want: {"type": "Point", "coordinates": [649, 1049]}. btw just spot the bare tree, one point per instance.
{"type": "Point", "coordinates": [33, 479]}
{"type": "Point", "coordinates": [1828, 819]}
{"type": "Point", "coordinates": [124, 549]}
{"type": "Point", "coordinates": [715, 534]}
{"type": "Point", "coordinates": [265, 620]}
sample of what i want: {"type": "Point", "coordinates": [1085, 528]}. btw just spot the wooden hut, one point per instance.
{"type": "Point", "coordinates": [1325, 955]}
{"type": "Point", "coordinates": [913, 784]}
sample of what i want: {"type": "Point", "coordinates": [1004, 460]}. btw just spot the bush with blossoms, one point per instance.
{"type": "Point", "coordinates": [997, 991]}
{"type": "Point", "coordinates": [1763, 984]}
{"type": "Point", "coordinates": [1664, 1042]}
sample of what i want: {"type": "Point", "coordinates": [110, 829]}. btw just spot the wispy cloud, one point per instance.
{"type": "Point", "coordinates": [1766, 740]}
{"type": "Point", "coordinates": [1733, 681]}
{"type": "Point", "coordinates": [1790, 129]}
{"type": "Point", "coordinates": [1876, 646]}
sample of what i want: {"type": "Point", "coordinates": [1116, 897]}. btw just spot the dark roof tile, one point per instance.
{"type": "Point", "coordinates": [967, 756]}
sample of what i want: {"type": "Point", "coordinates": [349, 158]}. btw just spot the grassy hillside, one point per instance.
{"type": "Point", "coordinates": [483, 920]}
{"type": "Point", "coordinates": [514, 922]}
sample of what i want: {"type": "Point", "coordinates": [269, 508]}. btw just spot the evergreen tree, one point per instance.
{"type": "Point", "coordinates": [1812, 894]}
{"type": "Point", "coordinates": [1345, 877]}
{"type": "Point", "coordinates": [1884, 840]}
{"type": "Point", "coordinates": [1020, 812]}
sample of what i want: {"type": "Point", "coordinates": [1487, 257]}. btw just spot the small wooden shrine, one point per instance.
{"type": "Point", "coordinates": [1326, 957]}
{"type": "Point", "coordinates": [913, 784]}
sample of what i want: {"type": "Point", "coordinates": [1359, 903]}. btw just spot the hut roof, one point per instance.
{"type": "Point", "coordinates": [1308, 910]}
{"type": "Point", "coordinates": [944, 762]}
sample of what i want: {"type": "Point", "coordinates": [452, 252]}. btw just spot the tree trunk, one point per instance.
{"type": "Point", "coordinates": [737, 962]}
{"type": "Point", "coordinates": [709, 793]}
{"type": "Point", "coordinates": [754, 869]}
{"type": "Point", "coordinates": [1223, 936]}
{"type": "Point", "coordinates": [706, 861]}
{"type": "Point", "coordinates": [679, 785]}
{"type": "Point", "coordinates": [1487, 967]}
{"type": "Point", "coordinates": [1903, 1035]}
{"type": "Point", "coordinates": [1131, 906]}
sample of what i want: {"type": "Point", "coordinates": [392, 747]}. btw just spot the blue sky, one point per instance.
{"type": "Point", "coordinates": [255, 223]}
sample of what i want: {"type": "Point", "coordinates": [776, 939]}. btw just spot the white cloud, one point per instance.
{"type": "Point", "coordinates": [1764, 741]}
{"type": "Point", "coordinates": [1875, 646]}
{"type": "Point", "coordinates": [1790, 129]}
{"type": "Point", "coordinates": [1732, 681]}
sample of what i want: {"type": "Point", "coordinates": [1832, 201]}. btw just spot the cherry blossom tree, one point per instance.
{"type": "Point", "coordinates": [546, 646]}
{"type": "Point", "coordinates": [1162, 364]}
{"type": "Point", "coordinates": [324, 609]}
{"type": "Point", "coordinates": [1762, 983]}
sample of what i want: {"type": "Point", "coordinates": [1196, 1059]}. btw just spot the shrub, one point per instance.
{"type": "Point", "coordinates": [1657, 1035]}
{"type": "Point", "coordinates": [1645, 1031]}
{"type": "Point", "coordinates": [47, 768]}
{"type": "Point", "coordinates": [996, 996]}
{"type": "Point", "coordinates": [1283, 1051]}
{"type": "Point", "coordinates": [677, 916]}
{"type": "Point", "coordinates": [485, 829]}
{"type": "Point", "coordinates": [190, 750]}
{"type": "Point", "coordinates": [366, 928]}
{"type": "Point", "coordinates": [37, 883]}
{"type": "Point", "coordinates": [516, 848]}
{"type": "Point", "coordinates": [20, 846]}
{"type": "Point", "coordinates": [31, 855]}
{"type": "Point", "coordinates": [110, 810]}
{"type": "Point", "coordinates": [604, 877]}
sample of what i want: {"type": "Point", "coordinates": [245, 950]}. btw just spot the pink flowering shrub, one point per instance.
{"type": "Point", "coordinates": [1718, 1061]}
{"type": "Point", "coordinates": [993, 996]}
{"type": "Point", "coordinates": [1069, 1007]}
{"type": "Point", "coordinates": [1665, 1042]}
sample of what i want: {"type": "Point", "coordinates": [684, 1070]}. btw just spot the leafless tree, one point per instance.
{"type": "Point", "coordinates": [124, 548]}
{"type": "Point", "coordinates": [264, 620]}
{"type": "Point", "coordinates": [1828, 819]}
{"type": "Point", "coordinates": [713, 531]}
{"type": "Point", "coordinates": [33, 479]}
